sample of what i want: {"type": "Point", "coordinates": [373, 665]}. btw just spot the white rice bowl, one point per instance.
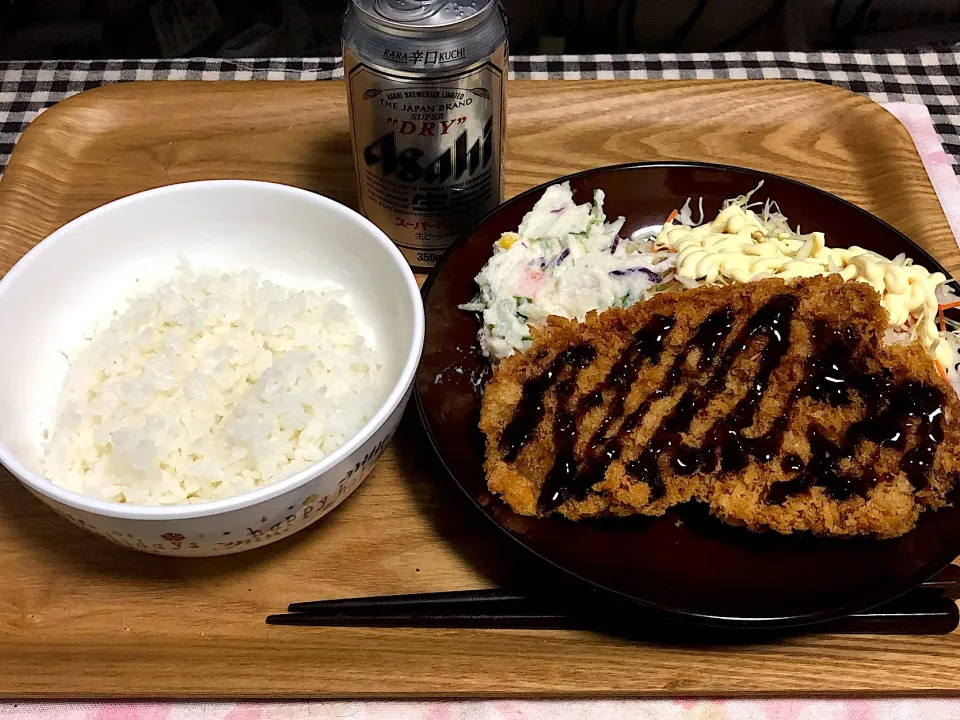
{"type": "Point", "coordinates": [211, 385]}
{"type": "Point", "coordinates": [268, 485]}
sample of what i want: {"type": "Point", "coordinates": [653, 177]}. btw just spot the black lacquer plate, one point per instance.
{"type": "Point", "coordinates": [684, 565]}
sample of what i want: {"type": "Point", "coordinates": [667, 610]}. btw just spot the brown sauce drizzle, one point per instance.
{"type": "Point", "coordinates": [792, 464]}
{"type": "Point", "coordinates": [646, 345]}
{"type": "Point", "coordinates": [530, 410]}
{"type": "Point", "coordinates": [911, 408]}
{"type": "Point", "coordinates": [823, 470]}
{"type": "Point", "coordinates": [773, 321]}
{"type": "Point", "coordinates": [832, 372]}
{"type": "Point", "coordinates": [892, 415]}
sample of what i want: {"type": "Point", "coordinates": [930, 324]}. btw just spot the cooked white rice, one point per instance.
{"type": "Point", "coordinates": [212, 385]}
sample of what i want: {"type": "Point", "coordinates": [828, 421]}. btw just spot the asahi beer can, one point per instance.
{"type": "Point", "coordinates": [426, 83]}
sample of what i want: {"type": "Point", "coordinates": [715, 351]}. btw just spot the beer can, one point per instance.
{"type": "Point", "coordinates": [426, 84]}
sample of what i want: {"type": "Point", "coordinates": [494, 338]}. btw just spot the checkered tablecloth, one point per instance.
{"type": "Point", "coordinates": [928, 78]}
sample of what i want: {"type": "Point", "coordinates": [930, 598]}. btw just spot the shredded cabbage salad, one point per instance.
{"type": "Point", "coordinates": [566, 260]}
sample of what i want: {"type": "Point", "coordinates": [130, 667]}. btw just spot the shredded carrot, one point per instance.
{"type": "Point", "coordinates": [945, 306]}
{"type": "Point", "coordinates": [943, 373]}
{"type": "Point", "coordinates": [671, 216]}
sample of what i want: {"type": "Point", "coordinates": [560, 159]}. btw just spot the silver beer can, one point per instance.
{"type": "Point", "coordinates": [426, 84]}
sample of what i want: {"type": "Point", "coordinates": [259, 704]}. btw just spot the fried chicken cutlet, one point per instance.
{"type": "Point", "coordinates": [776, 403]}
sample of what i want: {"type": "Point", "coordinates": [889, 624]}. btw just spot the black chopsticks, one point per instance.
{"type": "Point", "coordinates": [493, 608]}
{"type": "Point", "coordinates": [929, 609]}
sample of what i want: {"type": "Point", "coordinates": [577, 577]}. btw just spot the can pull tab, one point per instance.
{"type": "Point", "coordinates": [407, 10]}
{"type": "Point", "coordinates": [428, 12]}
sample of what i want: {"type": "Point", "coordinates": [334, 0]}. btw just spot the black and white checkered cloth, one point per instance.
{"type": "Point", "coordinates": [929, 78]}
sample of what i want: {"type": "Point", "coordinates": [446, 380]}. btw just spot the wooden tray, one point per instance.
{"type": "Point", "coordinates": [81, 617]}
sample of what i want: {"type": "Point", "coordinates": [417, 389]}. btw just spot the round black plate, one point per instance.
{"type": "Point", "coordinates": [684, 564]}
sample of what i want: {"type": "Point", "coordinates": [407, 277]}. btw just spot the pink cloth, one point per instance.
{"type": "Point", "coordinates": [499, 710]}
{"type": "Point", "coordinates": [917, 120]}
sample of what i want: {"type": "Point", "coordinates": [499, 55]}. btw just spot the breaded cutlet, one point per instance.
{"type": "Point", "coordinates": [776, 403]}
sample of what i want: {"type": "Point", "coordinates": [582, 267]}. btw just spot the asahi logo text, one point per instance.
{"type": "Point", "coordinates": [407, 163]}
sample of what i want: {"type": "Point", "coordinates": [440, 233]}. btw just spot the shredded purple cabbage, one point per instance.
{"type": "Point", "coordinates": [559, 209]}
{"type": "Point", "coordinates": [615, 244]}
{"type": "Point", "coordinates": [560, 258]}
{"type": "Point", "coordinates": [651, 275]}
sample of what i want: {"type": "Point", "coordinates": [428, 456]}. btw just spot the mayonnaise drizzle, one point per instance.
{"type": "Point", "coordinates": [737, 247]}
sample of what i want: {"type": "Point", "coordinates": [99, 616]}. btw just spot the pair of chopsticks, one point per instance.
{"type": "Point", "coordinates": [929, 609]}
